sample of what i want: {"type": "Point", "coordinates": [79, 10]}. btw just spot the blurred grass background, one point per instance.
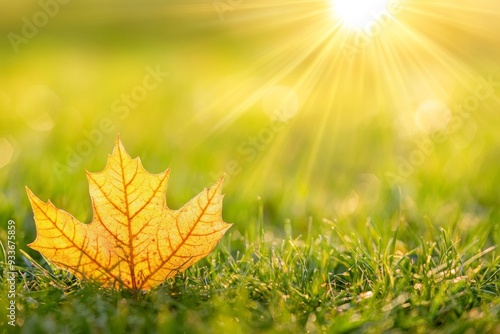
{"type": "Point", "coordinates": [354, 121]}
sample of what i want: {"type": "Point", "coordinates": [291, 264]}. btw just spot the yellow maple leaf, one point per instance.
{"type": "Point", "coordinates": [134, 239]}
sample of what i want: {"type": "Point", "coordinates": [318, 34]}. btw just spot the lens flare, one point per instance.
{"type": "Point", "coordinates": [357, 14]}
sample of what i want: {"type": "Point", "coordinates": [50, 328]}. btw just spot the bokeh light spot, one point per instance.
{"type": "Point", "coordinates": [432, 115]}
{"type": "Point", "coordinates": [6, 152]}
{"type": "Point", "coordinates": [38, 107]}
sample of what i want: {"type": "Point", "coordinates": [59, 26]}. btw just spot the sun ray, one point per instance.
{"type": "Point", "coordinates": [344, 73]}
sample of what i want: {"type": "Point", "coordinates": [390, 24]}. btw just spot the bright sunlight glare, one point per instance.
{"type": "Point", "coordinates": [356, 14]}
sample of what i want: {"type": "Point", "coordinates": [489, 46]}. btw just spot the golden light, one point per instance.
{"type": "Point", "coordinates": [357, 14]}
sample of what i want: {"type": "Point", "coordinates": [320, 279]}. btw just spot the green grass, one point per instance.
{"type": "Point", "coordinates": [334, 281]}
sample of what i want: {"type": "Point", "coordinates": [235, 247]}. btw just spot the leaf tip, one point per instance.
{"type": "Point", "coordinates": [217, 187]}
{"type": "Point", "coordinates": [167, 172]}
{"type": "Point", "coordinates": [31, 196]}
{"type": "Point", "coordinates": [220, 181]}
{"type": "Point", "coordinates": [118, 144]}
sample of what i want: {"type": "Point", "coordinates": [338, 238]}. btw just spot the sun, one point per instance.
{"type": "Point", "coordinates": [358, 14]}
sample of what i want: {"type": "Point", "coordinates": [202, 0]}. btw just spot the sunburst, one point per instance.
{"type": "Point", "coordinates": [357, 14]}
{"type": "Point", "coordinates": [352, 61]}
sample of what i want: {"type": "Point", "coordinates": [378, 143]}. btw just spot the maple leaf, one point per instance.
{"type": "Point", "coordinates": [134, 239]}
